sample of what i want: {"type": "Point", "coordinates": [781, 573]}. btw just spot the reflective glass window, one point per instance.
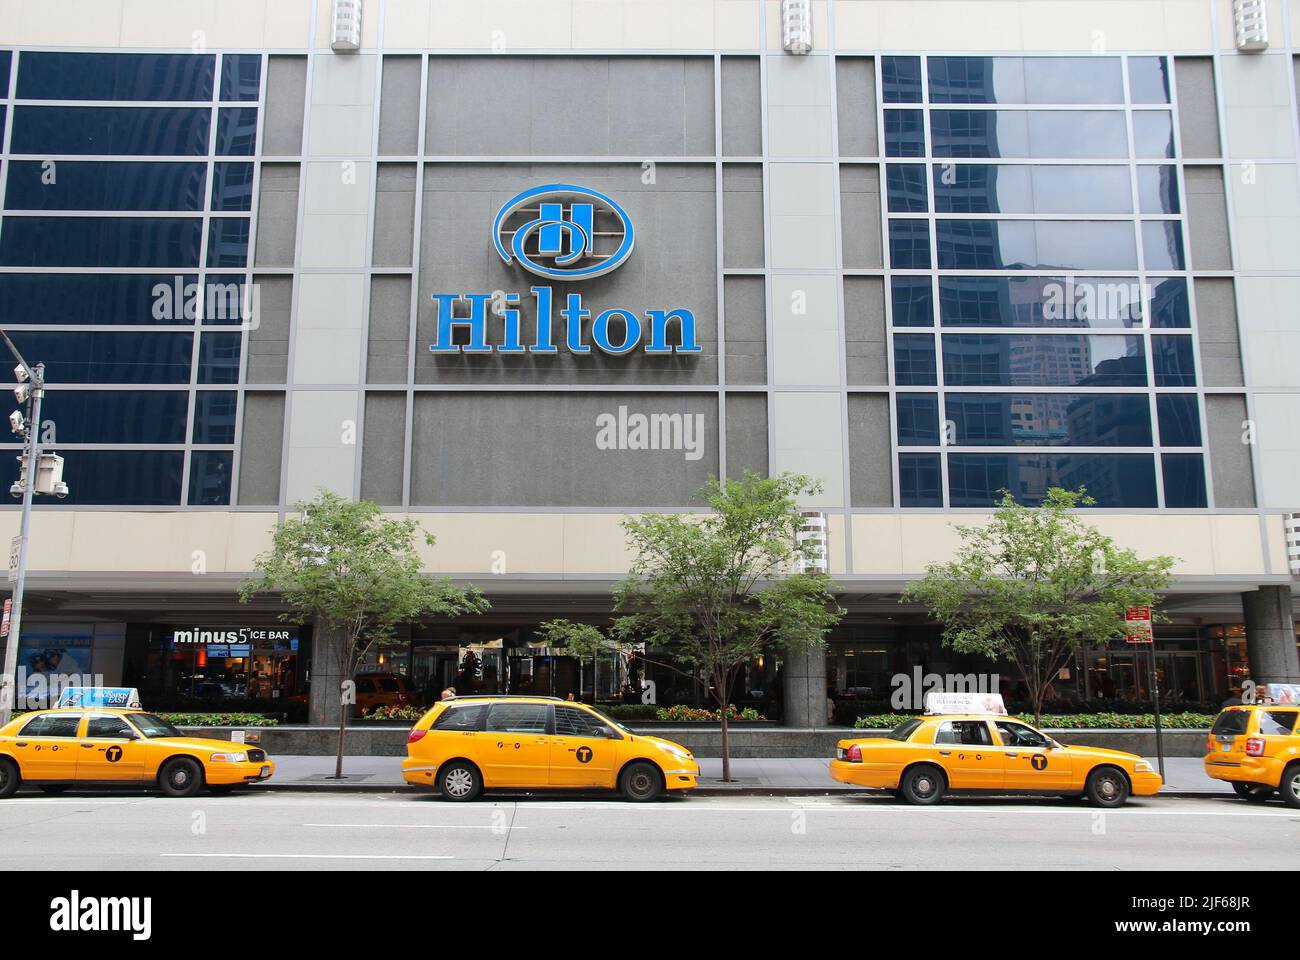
{"type": "Point", "coordinates": [918, 419]}
{"type": "Point", "coordinates": [114, 131]}
{"type": "Point", "coordinates": [112, 416]}
{"type": "Point", "coordinates": [901, 77]}
{"type": "Point", "coordinates": [6, 62]}
{"type": "Point", "coordinates": [1148, 79]}
{"type": "Point", "coordinates": [1043, 360]}
{"type": "Point", "coordinates": [913, 301]}
{"type": "Point", "coordinates": [100, 242]}
{"type": "Point", "coordinates": [66, 298]}
{"type": "Point", "coordinates": [241, 76]}
{"type": "Point", "coordinates": [1053, 80]}
{"type": "Point", "coordinates": [904, 133]}
{"type": "Point", "coordinates": [1162, 245]}
{"type": "Point", "coordinates": [1173, 361]}
{"type": "Point", "coordinates": [1158, 189]}
{"type": "Point", "coordinates": [228, 300]}
{"type": "Point", "coordinates": [1068, 301]}
{"type": "Point", "coordinates": [1112, 479]}
{"type": "Point", "coordinates": [1050, 419]}
{"type": "Point", "coordinates": [232, 186]}
{"type": "Point", "coordinates": [920, 480]}
{"type": "Point", "coordinates": [1184, 476]}
{"type": "Point", "coordinates": [1059, 134]}
{"type": "Point", "coordinates": [228, 242]}
{"type": "Point", "coordinates": [104, 185]}
{"type": "Point", "coordinates": [210, 472]}
{"type": "Point", "coordinates": [1180, 419]}
{"type": "Point", "coordinates": [1169, 303]}
{"type": "Point", "coordinates": [123, 477]}
{"type": "Point", "coordinates": [906, 186]}
{"type": "Point", "coordinates": [1153, 134]}
{"type": "Point", "coordinates": [109, 357]}
{"type": "Point", "coordinates": [1036, 244]}
{"type": "Point", "coordinates": [1017, 188]}
{"type": "Point", "coordinates": [214, 416]}
{"type": "Point", "coordinates": [914, 363]}
{"type": "Point", "coordinates": [115, 76]}
{"type": "Point", "coordinates": [236, 132]}
{"type": "Point", "coordinates": [219, 358]}
{"type": "Point", "coordinates": [909, 244]}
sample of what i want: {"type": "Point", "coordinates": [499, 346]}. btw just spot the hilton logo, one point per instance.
{"type": "Point", "coordinates": [560, 231]}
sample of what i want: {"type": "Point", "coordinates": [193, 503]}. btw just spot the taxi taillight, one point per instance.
{"type": "Point", "coordinates": [415, 735]}
{"type": "Point", "coordinates": [853, 754]}
{"type": "Point", "coordinates": [1255, 747]}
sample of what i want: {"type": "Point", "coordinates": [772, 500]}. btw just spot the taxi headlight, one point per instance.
{"type": "Point", "coordinates": [229, 758]}
{"type": "Point", "coordinates": [675, 751]}
{"type": "Point", "coordinates": [1143, 766]}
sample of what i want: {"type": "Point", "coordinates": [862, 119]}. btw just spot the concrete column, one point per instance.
{"type": "Point", "coordinates": [804, 678]}
{"type": "Point", "coordinates": [1270, 635]}
{"type": "Point", "coordinates": [323, 700]}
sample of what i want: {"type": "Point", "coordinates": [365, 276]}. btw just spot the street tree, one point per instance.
{"type": "Point", "coordinates": [1035, 585]}
{"type": "Point", "coordinates": [354, 574]}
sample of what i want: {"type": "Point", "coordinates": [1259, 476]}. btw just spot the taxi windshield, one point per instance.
{"type": "Point", "coordinates": [613, 723]}
{"type": "Point", "coordinates": [151, 726]}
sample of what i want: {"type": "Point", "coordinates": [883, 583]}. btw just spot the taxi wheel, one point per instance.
{"type": "Point", "coordinates": [9, 778]}
{"type": "Point", "coordinates": [641, 782]}
{"type": "Point", "coordinates": [460, 781]}
{"type": "Point", "coordinates": [1252, 791]}
{"type": "Point", "coordinates": [181, 777]}
{"type": "Point", "coordinates": [923, 785]}
{"type": "Point", "coordinates": [1107, 787]}
{"type": "Point", "coordinates": [1290, 788]}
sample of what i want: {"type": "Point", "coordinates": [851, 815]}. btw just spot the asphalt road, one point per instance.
{"type": "Point", "coordinates": [403, 831]}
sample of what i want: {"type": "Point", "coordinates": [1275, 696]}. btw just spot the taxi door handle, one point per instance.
{"type": "Point", "coordinates": [1012, 756]}
{"type": "Point", "coordinates": [945, 753]}
{"type": "Point", "coordinates": [87, 746]}
{"type": "Point", "coordinates": [21, 743]}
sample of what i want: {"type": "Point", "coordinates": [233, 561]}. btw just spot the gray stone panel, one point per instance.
{"type": "Point", "coordinates": [1198, 107]}
{"type": "Point", "coordinates": [390, 330]}
{"type": "Point", "coordinates": [1207, 219]}
{"type": "Point", "coordinates": [1230, 467]}
{"type": "Point", "coordinates": [855, 90]}
{"type": "Point", "coordinates": [394, 215]}
{"type": "Point", "coordinates": [742, 115]}
{"type": "Point", "coordinates": [286, 98]}
{"type": "Point", "coordinates": [382, 466]}
{"type": "Point", "coordinates": [277, 215]}
{"type": "Point", "coordinates": [866, 349]}
{"type": "Point", "coordinates": [399, 114]}
{"type": "Point", "coordinates": [1216, 328]}
{"type": "Point", "coordinates": [871, 471]}
{"type": "Point", "coordinates": [268, 341]}
{"type": "Point", "coordinates": [860, 202]}
{"type": "Point", "coordinates": [746, 330]}
{"type": "Point", "coordinates": [260, 451]}
{"type": "Point", "coordinates": [540, 450]}
{"type": "Point", "coordinates": [746, 434]}
{"type": "Point", "coordinates": [742, 215]}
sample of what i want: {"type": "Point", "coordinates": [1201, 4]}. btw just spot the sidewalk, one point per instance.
{"type": "Point", "coordinates": [1184, 776]}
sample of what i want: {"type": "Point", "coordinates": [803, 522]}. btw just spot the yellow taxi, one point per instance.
{"type": "Point", "coordinates": [982, 750]}
{"type": "Point", "coordinates": [1256, 748]}
{"type": "Point", "coordinates": [466, 745]}
{"type": "Point", "coordinates": [62, 747]}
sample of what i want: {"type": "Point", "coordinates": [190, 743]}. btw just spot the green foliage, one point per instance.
{"type": "Point", "coordinates": [684, 714]}
{"type": "Point", "coordinates": [1073, 721]}
{"type": "Point", "coordinates": [219, 719]}
{"type": "Point", "coordinates": [631, 712]}
{"type": "Point", "coordinates": [1035, 585]}
{"type": "Point", "coordinates": [394, 713]}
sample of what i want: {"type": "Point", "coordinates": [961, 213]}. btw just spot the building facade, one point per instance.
{"type": "Point", "coordinates": [955, 247]}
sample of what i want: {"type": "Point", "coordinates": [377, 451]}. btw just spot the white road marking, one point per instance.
{"type": "Point", "coordinates": [413, 826]}
{"type": "Point", "coordinates": [304, 856]}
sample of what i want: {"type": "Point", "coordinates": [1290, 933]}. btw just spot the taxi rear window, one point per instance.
{"type": "Point", "coordinates": [1231, 723]}
{"type": "Point", "coordinates": [465, 716]}
{"type": "Point", "coordinates": [1277, 723]}
{"type": "Point", "coordinates": [905, 729]}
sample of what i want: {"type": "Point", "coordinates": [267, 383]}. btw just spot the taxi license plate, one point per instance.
{"type": "Point", "coordinates": [266, 772]}
{"type": "Point", "coordinates": [1225, 747]}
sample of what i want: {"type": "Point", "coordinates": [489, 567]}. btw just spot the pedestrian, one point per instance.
{"type": "Point", "coordinates": [448, 694]}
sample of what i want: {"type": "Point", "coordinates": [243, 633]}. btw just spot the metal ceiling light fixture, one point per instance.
{"type": "Point", "coordinates": [346, 35]}
{"type": "Point", "coordinates": [796, 26]}
{"type": "Point", "coordinates": [1250, 23]}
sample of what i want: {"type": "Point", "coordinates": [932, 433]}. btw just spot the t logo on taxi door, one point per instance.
{"type": "Point", "coordinates": [113, 754]}
{"type": "Point", "coordinates": [584, 754]}
{"type": "Point", "coordinates": [1038, 761]}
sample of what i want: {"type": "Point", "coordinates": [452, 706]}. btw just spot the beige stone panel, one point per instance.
{"type": "Point", "coordinates": [1093, 25]}
{"type": "Point", "coordinates": [1186, 538]}
{"type": "Point", "coordinates": [930, 25]}
{"type": "Point", "coordinates": [877, 544]}
{"type": "Point", "coordinates": [250, 535]}
{"type": "Point", "coordinates": [51, 537]}
{"type": "Point", "coordinates": [62, 23]}
{"type": "Point", "coordinates": [598, 24]}
{"type": "Point", "coordinates": [932, 538]}
{"type": "Point", "coordinates": [820, 23]}
{"type": "Point", "coordinates": [594, 544]}
{"type": "Point", "coordinates": [835, 535]}
{"type": "Point", "coordinates": [736, 25]}
{"type": "Point", "coordinates": [406, 23]}
{"type": "Point", "coordinates": [1188, 25]}
{"type": "Point", "coordinates": [288, 24]}
{"type": "Point", "coordinates": [1275, 542]}
{"type": "Point", "coordinates": [187, 24]}
{"type": "Point", "coordinates": [504, 24]}
{"type": "Point", "coordinates": [1237, 545]}
{"type": "Point", "coordinates": [469, 542]}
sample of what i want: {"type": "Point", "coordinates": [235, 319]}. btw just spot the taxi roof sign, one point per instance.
{"type": "Point", "coordinates": [938, 701]}
{"type": "Point", "coordinates": [1280, 693]}
{"type": "Point", "coordinates": [119, 697]}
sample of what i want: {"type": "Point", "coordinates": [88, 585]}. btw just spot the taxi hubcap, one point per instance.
{"type": "Point", "coordinates": [459, 783]}
{"type": "Point", "coordinates": [1295, 786]}
{"type": "Point", "coordinates": [180, 776]}
{"type": "Point", "coordinates": [1108, 788]}
{"type": "Point", "coordinates": [924, 786]}
{"type": "Point", "coordinates": [640, 783]}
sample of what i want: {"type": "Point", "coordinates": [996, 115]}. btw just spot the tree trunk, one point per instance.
{"type": "Point", "coordinates": [343, 727]}
{"type": "Point", "coordinates": [726, 746]}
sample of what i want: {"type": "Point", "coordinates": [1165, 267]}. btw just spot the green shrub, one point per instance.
{"type": "Point", "coordinates": [1073, 721]}
{"type": "Point", "coordinates": [219, 719]}
{"type": "Point", "coordinates": [632, 711]}
{"type": "Point", "coordinates": [684, 714]}
{"type": "Point", "coordinates": [411, 713]}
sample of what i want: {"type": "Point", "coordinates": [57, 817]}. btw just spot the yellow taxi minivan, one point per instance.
{"type": "Point", "coordinates": [465, 745]}
{"type": "Point", "coordinates": [982, 750]}
{"type": "Point", "coordinates": [62, 747]}
{"type": "Point", "coordinates": [1256, 748]}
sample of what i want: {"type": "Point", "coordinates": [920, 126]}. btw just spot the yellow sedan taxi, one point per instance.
{"type": "Point", "coordinates": [1256, 748]}
{"type": "Point", "coordinates": [466, 745]}
{"type": "Point", "coordinates": [928, 756]}
{"type": "Point", "coordinates": [63, 747]}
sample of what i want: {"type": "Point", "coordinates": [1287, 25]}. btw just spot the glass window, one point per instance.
{"type": "Point", "coordinates": [151, 726]}
{"type": "Point", "coordinates": [232, 187]}
{"type": "Point", "coordinates": [101, 242]}
{"type": "Point", "coordinates": [1057, 134]}
{"type": "Point", "coordinates": [109, 727]}
{"type": "Point", "coordinates": [1173, 361]}
{"type": "Point", "coordinates": [1148, 79]}
{"type": "Point", "coordinates": [214, 416]}
{"type": "Point", "coordinates": [1162, 245]}
{"type": "Point", "coordinates": [1030, 244]}
{"type": "Point", "coordinates": [1017, 188]}
{"type": "Point", "coordinates": [115, 76]}
{"type": "Point", "coordinates": [517, 718]}
{"type": "Point", "coordinates": [1184, 476]}
{"type": "Point", "coordinates": [103, 185]}
{"type": "Point", "coordinates": [1231, 723]}
{"type": "Point", "coordinates": [111, 416]}
{"type": "Point", "coordinates": [228, 242]}
{"type": "Point", "coordinates": [1180, 419]}
{"type": "Point", "coordinates": [227, 298]}
{"type": "Point", "coordinates": [210, 472]}
{"type": "Point", "coordinates": [572, 722]}
{"type": "Point", "coordinates": [111, 131]}
{"type": "Point", "coordinates": [1112, 479]}
{"type": "Point", "coordinates": [913, 301]}
{"type": "Point", "coordinates": [1169, 304]}
{"type": "Point", "coordinates": [1026, 80]}
{"type": "Point", "coordinates": [463, 716]}
{"type": "Point", "coordinates": [1043, 360]}
{"type": "Point", "coordinates": [918, 419]}
{"type": "Point", "coordinates": [219, 358]}
{"type": "Point", "coordinates": [904, 133]}
{"type": "Point", "coordinates": [52, 725]}
{"type": "Point", "coordinates": [59, 298]}
{"type": "Point", "coordinates": [5, 65]}
{"type": "Point", "coordinates": [909, 244]}
{"type": "Point", "coordinates": [236, 131]}
{"type": "Point", "coordinates": [241, 76]}
{"type": "Point", "coordinates": [1018, 735]}
{"type": "Point", "coordinates": [967, 733]}
{"type": "Point", "coordinates": [1049, 419]}
{"type": "Point", "coordinates": [1153, 134]}
{"type": "Point", "coordinates": [1097, 302]}
{"type": "Point", "coordinates": [920, 480]}
{"type": "Point", "coordinates": [1277, 723]}
{"type": "Point", "coordinates": [906, 186]}
{"type": "Point", "coordinates": [901, 77]}
{"type": "Point", "coordinates": [1158, 189]}
{"type": "Point", "coordinates": [109, 357]}
{"type": "Point", "coordinates": [914, 363]}
{"type": "Point", "coordinates": [904, 730]}
{"type": "Point", "coordinates": [123, 477]}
